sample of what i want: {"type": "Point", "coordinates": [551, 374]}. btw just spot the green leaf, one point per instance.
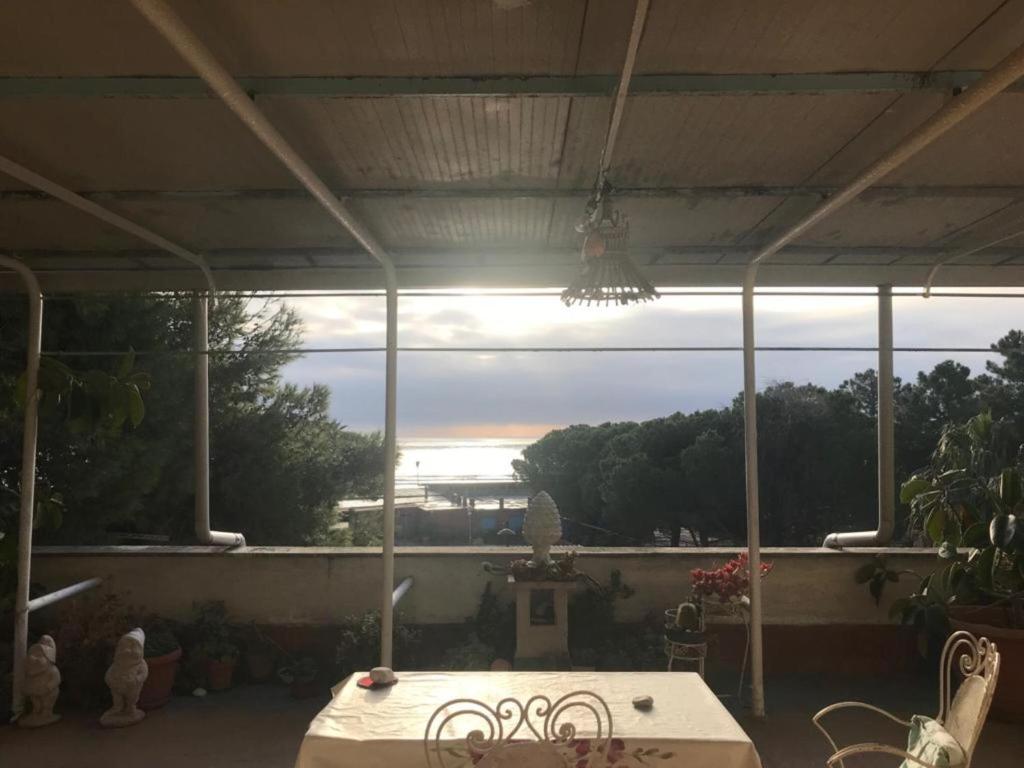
{"type": "Point", "coordinates": [935, 524]}
{"type": "Point", "coordinates": [914, 486]}
{"type": "Point", "coordinates": [875, 588]}
{"type": "Point", "coordinates": [126, 364]}
{"type": "Point", "coordinates": [976, 536]}
{"type": "Point", "coordinates": [1010, 487]}
{"type": "Point", "coordinates": [899, 608]}
{"type": "Point", "coordinates": [864, 573]}
{"type": "Point", "coordinates": [984, 566]}
{"type": "Point", "coordinates": [136, 408]}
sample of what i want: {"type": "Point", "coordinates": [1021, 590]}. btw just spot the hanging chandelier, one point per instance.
{"type": "Point", "coordinates": [607, 273]}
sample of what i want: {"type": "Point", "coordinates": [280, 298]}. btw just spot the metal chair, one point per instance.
{"type": "Point", "coordinates": [962, 715]}
{"type": "Point", "coordinates": [512, 734]}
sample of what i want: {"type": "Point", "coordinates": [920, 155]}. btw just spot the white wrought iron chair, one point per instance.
{"type": "Point", "coordinates": [961, 715]}
{"type": "Point", "coordinates": [512, 734]}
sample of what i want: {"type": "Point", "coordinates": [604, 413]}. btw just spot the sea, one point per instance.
{"type": "Point", "coordinates": [426, 460]}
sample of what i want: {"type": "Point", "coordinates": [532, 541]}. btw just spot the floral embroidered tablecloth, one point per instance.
{"type": "Point", "coordinates": [687, 726]}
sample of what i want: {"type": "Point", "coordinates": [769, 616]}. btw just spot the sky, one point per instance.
{"type": "Point", "coordinates": [525, 394]}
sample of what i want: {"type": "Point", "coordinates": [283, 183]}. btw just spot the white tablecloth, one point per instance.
{"type": "Point", "coordinates": [688, 725]}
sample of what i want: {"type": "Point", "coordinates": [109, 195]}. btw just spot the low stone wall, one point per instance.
{"type": "Point", "coordinates": [319, 586]}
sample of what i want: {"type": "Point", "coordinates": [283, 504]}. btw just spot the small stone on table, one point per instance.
{"type": "Point", "coordinates": [643, 703]}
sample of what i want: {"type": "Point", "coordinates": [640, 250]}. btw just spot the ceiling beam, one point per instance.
{"type": "Point", "coordinates": [502, 85]}
{"type": "Point", "coordinates": [523, 255]}
{"type": "Point", "coordinates": [711, 192]}
{"type": "Point", "coordinates": [501, 276]}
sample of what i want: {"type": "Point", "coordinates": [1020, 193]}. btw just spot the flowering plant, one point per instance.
{"type": "Point", "coordinates": [729, 584]}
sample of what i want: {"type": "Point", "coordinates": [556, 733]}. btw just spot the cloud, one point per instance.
{"type": "Point", "coordinates": [468, 393]}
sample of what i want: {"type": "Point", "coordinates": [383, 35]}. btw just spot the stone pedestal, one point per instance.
{"type": "Point", "coordinates": [542, 623]}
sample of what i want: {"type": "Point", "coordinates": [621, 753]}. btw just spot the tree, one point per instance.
{"type": "Point", "coordinates": [279, 463]}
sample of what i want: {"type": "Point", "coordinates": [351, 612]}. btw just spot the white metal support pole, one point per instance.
{"type": "Point", "coordinates": [753, 494]}
{"type": "Point", "coordinates": [390, 454]}
{"type": "Point", "coordinates": [28, 476]}
{"type": "Point", "coordinates": [163, 18]}
{"type": "Point", "coordinates": [886, 420]}
{"type": "Point", "coordinates": [997, 79]}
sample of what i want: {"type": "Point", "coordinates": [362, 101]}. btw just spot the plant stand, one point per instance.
{"type": "Point", "coordinates": [542, 623]}
{"type": "Point", "coordinates": [739, 611]}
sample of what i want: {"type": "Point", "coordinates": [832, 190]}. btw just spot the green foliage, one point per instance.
{"type": "Point", "coordinates": [366, 528]}
{"type": "Point", "coordinates": [495, 623]}
{"type": "Point", "coordinates": [681, 476]}
{"type": "Point", "coordinates": [212, 635]}
{"type": "Point", "coordinates": [472, 655]}
{"type": "Point", "coordinates": [592, 610]}
{"type": "Point", "coordinates": [358, 647]}
{"type": "Point", "coordinates": [86, 633]}
{"type": "Point", "coordinates": [967, 501]}
{"type": "Point", "coordinates": [279, 463]}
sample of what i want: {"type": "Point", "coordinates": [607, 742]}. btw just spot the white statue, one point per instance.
{"type": "Point", "coordinates": [42, 683]}
{"type": "Point", "coordinates": [125, 678]}
{"type": "Point", "coordinates": [542, 527]}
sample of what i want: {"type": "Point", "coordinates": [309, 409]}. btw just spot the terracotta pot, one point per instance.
{"type": "Point", "coordinates": [219, 674]}
{"type": "Point", "coordinates": [156, 691]}
{"type": "Point", "coordinates": [991, 622]}
{"type": "Point", "coordinates": [260, 665]}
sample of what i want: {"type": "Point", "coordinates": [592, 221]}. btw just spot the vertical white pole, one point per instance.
{"type": "Point", "coordinates": [201, 423]}
{"type": "Point", "coordinates": [390, 455]}
{"type": "Point", "coordinates": [886, 411]}
{"type": "Point", "coordinates": [753, 496]}
{"type": "Point", "coordinates": [28, 477]}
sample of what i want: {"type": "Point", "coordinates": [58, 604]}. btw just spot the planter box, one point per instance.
{"type": "Point", "coordinates": [990, 621]}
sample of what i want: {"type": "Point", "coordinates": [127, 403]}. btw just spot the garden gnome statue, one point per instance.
{"type": "Point", "coordinates": [542, 527]}
{"type": "Point", "coordinates": [125, 678]}
{"type": "Point", "coordinates": [42, 683]}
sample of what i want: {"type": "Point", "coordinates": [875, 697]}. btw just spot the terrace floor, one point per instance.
{"type": "Point", "coordinates": [261, 727]}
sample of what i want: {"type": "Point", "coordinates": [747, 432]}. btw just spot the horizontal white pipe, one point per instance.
{"type": "Point", "coordinates": [28, 474]}
{"type": "Point", "coordinates": [43, 601]}
{"type": "Point", "coordinates": [75, 200]}
{"type": "Point", "coordinates": [400, 590]}
{"type": "Point", "coordinates": [964, 254]}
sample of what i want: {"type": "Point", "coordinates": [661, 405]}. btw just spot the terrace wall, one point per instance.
{"type": "Point", "coordinates": [817, 619]}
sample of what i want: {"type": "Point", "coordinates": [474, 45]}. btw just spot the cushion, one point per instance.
{"type": "Point", "coordinates": [931, 743]}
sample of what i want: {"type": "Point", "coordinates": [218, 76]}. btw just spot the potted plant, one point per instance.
{"type": "Point", "coordinates": [260, 655]}
{"type": "Point", "coordinates": [685, 624]}
{"type": "Point", "coordinates": [163, 655]}
{"type": "Point", "coordinates": [968, 501]}
{"type": "Point", "coordinates": [215, 646]}
{"type": "Point", "coordinates": [301, 677]}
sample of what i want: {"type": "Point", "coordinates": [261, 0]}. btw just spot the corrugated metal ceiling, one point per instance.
{"type": "Point", "coordinates": [518, 164]}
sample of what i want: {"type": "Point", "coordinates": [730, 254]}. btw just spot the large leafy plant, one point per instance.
{"type": "Point", "coordinates": [968, 501]}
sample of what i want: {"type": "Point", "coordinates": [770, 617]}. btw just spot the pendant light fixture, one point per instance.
{"type": "Point", "coordinates": [607, 273]}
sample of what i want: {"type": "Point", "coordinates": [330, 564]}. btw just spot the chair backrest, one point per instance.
{"type": "Point", "coordinates": [513, 734]}
{"type": "Point", "coordinates": [977, 660]}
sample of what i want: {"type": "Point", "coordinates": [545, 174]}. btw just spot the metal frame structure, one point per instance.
{"type": "Point", "coordinates": [177, 34]}
{"type": "Point", "coordinates": [979, 662]}
{"type": "Point", "coordinates": [996, 80]}
{"type": "Point", "coordinates": [23, 605]}
{"type": "Point", "coordinates": [513, 732]}
{"type": "Point", "coordinates": [502, 85]}
{"type": "Point", "coordinates": [239, 96]}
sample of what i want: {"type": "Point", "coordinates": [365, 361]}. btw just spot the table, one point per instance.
{"type": "Point", "coordinates": [688, 725]}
